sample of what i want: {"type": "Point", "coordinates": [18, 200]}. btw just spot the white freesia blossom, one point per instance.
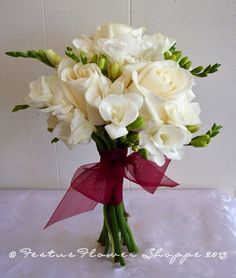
{"type": "Point", "coordinates": [119, 42]}
{"type": "Point", "coordinates": [84, 43]}
{"type": "Point", "coordinates": [124, 44]}
{"type": "Point", "coordinates": [183, 113]}
{"type": "Point", "coordinates": [74, 130]}
{"type": "Point", "coordinates": [51, 95]}
{"type": "Point", "coordinates": [88, 86]}
{"type": "Point", "coordinates": [153, 47]}
{"type": "Point", "coordinates": [164, 140]}
{"type": "Point", "coordinates": [120, 111]}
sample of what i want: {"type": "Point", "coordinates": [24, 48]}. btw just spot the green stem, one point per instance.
{"type": "Point", "coordinates": [115, 229]}
{"type": "Point", "coordinates": [116, 232]}
{"type": "Point", "coordinates": [135, 248]}
{"type": "Point", "coordinates": [102, 236]}
{"type": "Point", "coordinates": [122, 224]}
{"type": "Point", "coordinates": [107, 242]}
{"type": "Point", "coordinates": [105, 207]}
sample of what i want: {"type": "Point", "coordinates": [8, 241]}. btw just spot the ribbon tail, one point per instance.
{"type": "Point", "coordinates": [72, 203]}
{"type": "Point", "coordinates": [165, 181]}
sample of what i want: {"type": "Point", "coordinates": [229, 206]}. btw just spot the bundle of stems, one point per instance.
{"type": "Point", "coordinates": [116, 232]}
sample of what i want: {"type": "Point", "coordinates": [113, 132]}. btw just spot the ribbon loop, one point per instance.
{"type": "Point", "coordinates": [102, 182]}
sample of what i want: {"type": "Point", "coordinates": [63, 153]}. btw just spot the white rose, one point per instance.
{"type": "Point", "coordinates": [164, 140]}
{"type": "Point", "coordinates": [74, 130]}
{"type": "Point", "coordinates": [120, 111]}
{"type": "Point", "coordinates": [183, 113]}
{"type": "Point", "coordinates": [159, 82]}
{"type": "Point", "coordinates": [88, 86]}
{"type": "Point", "coordinates": [51, 95]}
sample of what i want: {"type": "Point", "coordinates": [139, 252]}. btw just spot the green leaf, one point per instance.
{"type": "Point", "coordinates": [54, 140]}
{"type": "Point", "coordinates": [20, 107]}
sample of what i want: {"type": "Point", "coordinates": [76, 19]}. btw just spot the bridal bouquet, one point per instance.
{"type": "Point", "coordinates": [124, 90]}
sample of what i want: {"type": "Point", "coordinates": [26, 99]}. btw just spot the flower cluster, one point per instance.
{"type": "Point", "coordinates": [120, 87]}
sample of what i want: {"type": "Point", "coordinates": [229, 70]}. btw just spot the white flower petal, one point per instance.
{"type": "Point", "coordinates": [115, 132]}
{"type": "Point", "coordinates": [135, 99]}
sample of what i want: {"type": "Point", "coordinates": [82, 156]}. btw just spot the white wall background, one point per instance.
{"type": "Point", "coordinates": [205, 31]}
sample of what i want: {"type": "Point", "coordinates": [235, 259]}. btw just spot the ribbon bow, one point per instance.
{"type": "Point", "coordinates": [102, 182]}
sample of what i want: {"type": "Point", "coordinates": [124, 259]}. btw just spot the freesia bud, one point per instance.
{"type": "Point", "coordinates": [193, 128]}
{"type": "Point", "coordinates": [167, 55]}
{"type": "Point", "coordinates": [102, 64]}
{"type": "Point", "coordinates": [143, 153]}
{"type": "Point", "coordinates": [115, 71]}
{"type": "Point", "coordinates": [133, 137]}
{"type": "Point", "coordinates": [200, 141]}
{"type": "Point", "coordinates": [183, 61]}
{"type": "Point", "coordinates": [53, 57]}
{"type": "Point", "coordinates": [187, 65]}
{"type": "Point", "coordinates": [94, 59]}
{"type": "Point", "coordinates": [83, 57]}
{"type": "Point", "coordinates": [178, 55]}
{"type": "Point", "coordinates": [137, 124]}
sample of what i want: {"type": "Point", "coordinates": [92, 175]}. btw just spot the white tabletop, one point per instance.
{"type": "Point", "coordinates": [169, 224]}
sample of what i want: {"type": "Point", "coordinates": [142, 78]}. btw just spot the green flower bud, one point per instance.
{"type": "Point", "coordinates": [83, 57]}
{"type": "Point", "coordinates": [53, 57]}
{"type": "Point", "coordinates": [200, 141]}
{"type": "Point", "coordinates": [133, 137]}
{"type": "Point", "coordinates": [50, 129]}
{"type": "Point", "coordinates": [187, 65]}
{"type": "Point", "coordinates": [197, 69]}
{"type": "Point", "coordinates": [143, 153]}
{"type": "Point", "coordinates": [177, 54]}
{"type": "Point", "coordinates": [94, 59]}
{"type": "Point", "coordinates": [123, 139]}
{"type": "Point", "coordinates": [183, 61]}
{"type": "Point", "coordinates": [137, 124]}
{"type": "Point", "coordinates": [173, 58]}
{"type": "Point", "coordinates": [193, 128]}
{"type": "Point", "coordinates": [135, 148]}
{"type": "Point", "coordinates": [167, 55]}
{"type": "Point", "coordinates": [102, 64]}
{"type": "Point", "coordinates": [115, 71]}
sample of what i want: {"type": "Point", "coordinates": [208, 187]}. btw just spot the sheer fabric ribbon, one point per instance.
{"type": "Point", "coordinates": [102, 182]}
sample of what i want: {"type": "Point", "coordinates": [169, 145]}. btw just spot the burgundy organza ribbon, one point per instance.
{"type": "Point", "coordinates": [102, 182]}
